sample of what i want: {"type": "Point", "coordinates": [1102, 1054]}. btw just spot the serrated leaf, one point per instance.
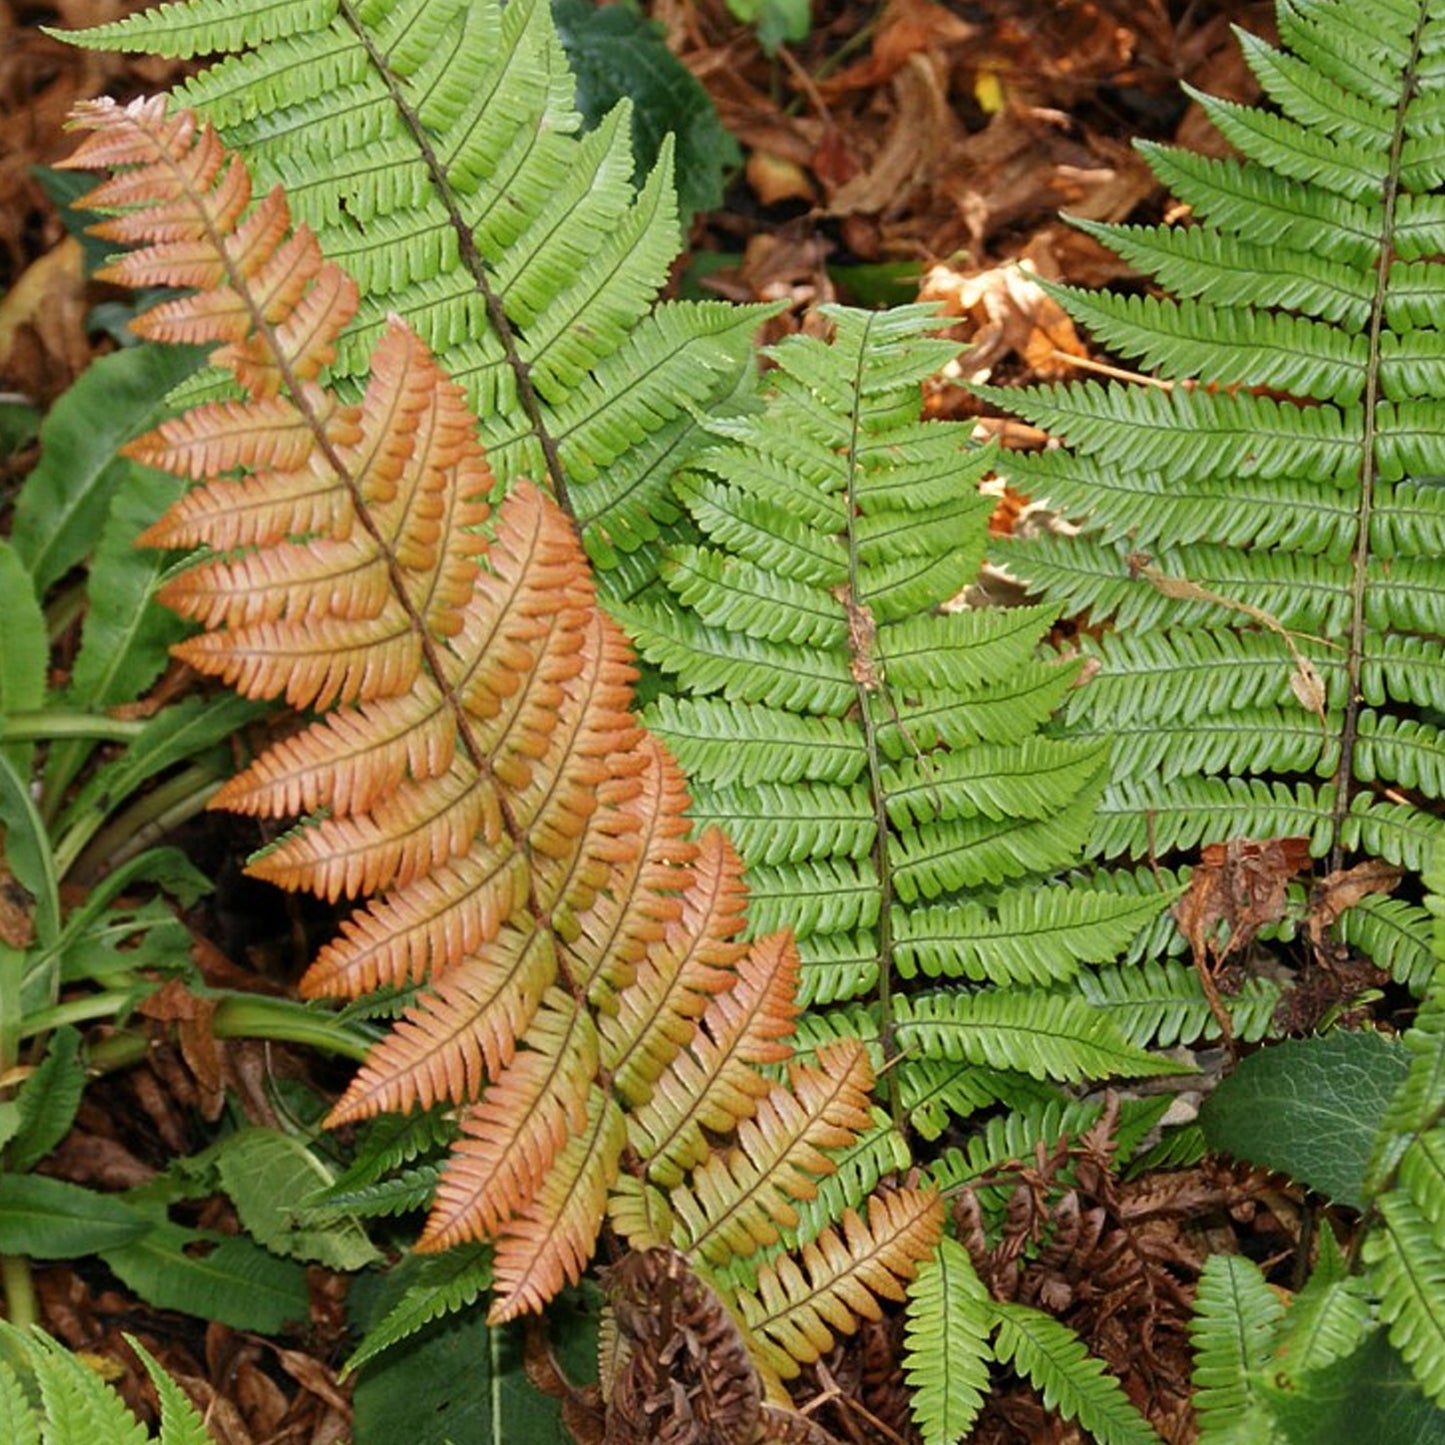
{"type": "Point", "coordinates": [64, 502]}
{"type": "Point", "coordinates": [227, 1279]}
{"type": "Point", "coordinates": [1309, 1108]}
{"type": "Point", "coordinates": [48, 1100]}
{"type": "Point", "coordinates": [270, 1176]}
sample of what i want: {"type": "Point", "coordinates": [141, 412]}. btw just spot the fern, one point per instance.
{"type": "Point", "coordinates": [1263, 530]}
{"type": "Point", "coordinates": [47, 1393]}
{"type": "Point", "coordinates": [581, 1002]}
{"type": "Point", "coordinates": [1235, 1324]}
{"type": "Point", "coordinates": [879, 757]}
{"type": "Point", "coordinates": [1054, 1360]}
{"type": "Point", "coordinates": [949, 1320]}
{"type": "Point", "coordinates": [434, 149]}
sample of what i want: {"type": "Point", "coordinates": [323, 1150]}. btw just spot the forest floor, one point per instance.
{"type": "Point", "coordinates": [900, 150]}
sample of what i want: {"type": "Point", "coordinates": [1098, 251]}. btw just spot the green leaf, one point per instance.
{"type": "Point", "coordinates": [48, 1100]}
{"type": "Point", "coordinates": [1309, 1108]}
{"type": "Point", "coordinates": [270, 1176]}
{"type": "Point", "coordinates": [618, 54]}
{"type": "Point", "coordinates": [1071, 1380]}
{"type": "Point", "coordinates": [28, 857]}
{"type": "Point", "coordinates": [126, 638]}
{"type": "Point", "coordinates": [420, 1290]}
{"type": "Point", "coordinates": [51, 1219]}
{"type": "Point", "coordinates": [26, 654]}
{"type": "Point", "coordinates": [227, 1279]}
{"type": "Point", "coordinates": [64, 502]}
{"type": "Point", "coordinates": [461, 1380]}
{"type": "Point", "coordinates": [18, 1424]}
{"type": "Point", "coordinates": [1366, 1398]}
{"type": "Point", "coordinates": [946, 1344]}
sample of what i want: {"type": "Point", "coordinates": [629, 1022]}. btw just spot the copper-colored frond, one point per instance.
{"type": "Point", "coordinates": [637, 842]}
{"type": "Point", "coordinates": [511, 1137]}
{"type": "Point", "coordinates": [460, 1034]}
{"type": "Point", "coordinates": [419, 932]}
{"type": "Point", "coordinates": [273, 298]}
{"type": "Point", "coordinates": [548, 1244]}
{"type": "Point", "coordinates": [695, 958]}
{"type": "Point", "coordinates": [312, 664]}
{"type": "Point", "coordinates": [737, 1200]}
{"type": "Point", "coordinates": [715, 1083]}
{"type": "Point", "coordinates": [798, 1315]}
{"type": "Point", "coordinates": [418, 826]}
{"type": "Point", "coordinates": [348, 760]}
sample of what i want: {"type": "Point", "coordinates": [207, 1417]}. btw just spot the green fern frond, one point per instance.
{"type": "Point", "coordinates": [435, 150]}
{"type": "Point", "coordinates": [1258, 537]}
{"type": "Point", "coordinates": [1236, 1320]}
{"type": "Point", "coordinates": [1163, 1003]}
{"type": "Point", "coordinates": [1054, 1360]}
{"type": "Point", "coordinates": [1406, 1260]}
{"type": "Point", "coordinates": [421, 1289]}
{"type": "Point", "coordinates": [48, 1394]}
{"type": "Point", "coordinates": [946, 1345]}
{"type": "Point", "coordinates": [1041, 1034]}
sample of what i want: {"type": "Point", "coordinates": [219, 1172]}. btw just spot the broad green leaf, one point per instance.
{"type": "Point", "coordinates": [126, 638]}
{"type": "Point", "coordinates": [618, 54]}
{"type": "Point", "coordinates": [64, 502]}
{"type": "Point", "coordinates": [1309, 1108]}
{"type": "Point", "coordinates": [26, 651]}
{"type": "Point", "coordinates": [48, 1100]}
{"type": "Point", "coordinates": [459, 1380]}
{"type": "Point", "coordinates": [270, 1176]}
{"type": "Point", "coordinates": [52, 1219]}
{"type": "Point", "coordinates": [226, 1279]}
{"type": "Point", "coordinates": [1366, 1398]}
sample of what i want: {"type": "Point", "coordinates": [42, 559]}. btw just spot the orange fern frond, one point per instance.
{"type": "Point", "coordinates": [474, 768]}
{"type": "Point", "coordinates": [715, 1083]}
{"type": "Point", "coordinates": [797, 1312]}
{"type": "Point", "coordinates": [737, 1199]}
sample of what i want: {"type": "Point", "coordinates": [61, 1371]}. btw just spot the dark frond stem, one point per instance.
{"type": "Point", "coordinates": [473, 260]}
{"type": "Point", "coordinates": [870, 682]}
{"type": "Point", "coordinates": [1368, 464]}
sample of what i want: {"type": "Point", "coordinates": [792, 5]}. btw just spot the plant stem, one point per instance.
{"type": "Point", "coordinates": [151, 817]}
{"type": "Point", "coordinates": [33, 727]}
{"type": "Point", "coordinates": [21, 1308]}
{"type": "Point", "coordinates": [247, 1016]}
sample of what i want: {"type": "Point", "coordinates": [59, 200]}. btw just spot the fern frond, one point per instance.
{"type": "Point", "coordinates": [950, 1318]}
{"type": "Point", "coordinates": [798, 1312]}
{"type": "Point", "coordinates": [739, 1200]}
{"type": "Point", "coordinates": [1054, 1360]}
{"type": "Point", "coordinates": [1040, 1034]}
{"type": "Point", "coordinates": [422, 1289]}
{"type": "Point", "coordinates": [864, 739]}
{"type": "Point", "coordinates": [1259, 537]}
{"type": "Point", "coordinates": [477, 768]}
{"type": "Point", "coordinates": [434, 151]}
{"type": "Point", "coordinates": [1236, 1320]}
